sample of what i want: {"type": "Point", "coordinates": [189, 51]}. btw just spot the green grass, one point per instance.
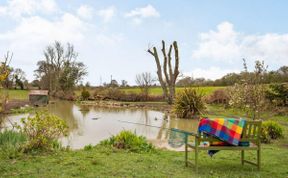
{"type": "Point", "coordinates": [158, 90]}
{"type": "Point", "coordinates": [16, 94]}
{"type": "Point", "coordinates": [106, 162]}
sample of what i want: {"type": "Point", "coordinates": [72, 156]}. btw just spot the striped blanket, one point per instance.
{"type": "Point", "coordinates": [228, 130]}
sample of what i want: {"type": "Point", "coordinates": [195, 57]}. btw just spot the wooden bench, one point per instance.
{"type": "Point", "coordinates": [251, 133]}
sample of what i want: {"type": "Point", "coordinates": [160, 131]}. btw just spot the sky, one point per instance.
{"type": "Point", "coordinates": [112, 36]}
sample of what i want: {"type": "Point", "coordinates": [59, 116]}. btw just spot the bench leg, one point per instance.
{"type": "Point", "coordinates": [258, 159]}
{"type": "Point", "coordinates": [186, 155]}
{"type": "Point", "coordinates": [196, 160]}
{"type": "Point", "coordinates": [242, 157]}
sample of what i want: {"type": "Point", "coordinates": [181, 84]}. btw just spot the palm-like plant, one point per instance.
{"type": "Point", "coordinates": [188, 103]}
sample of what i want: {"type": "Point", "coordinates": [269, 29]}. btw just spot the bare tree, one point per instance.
{"type": "Point", "coordinates": [170, 74]}
{"type": "Point", "coordinates": [144, 81]}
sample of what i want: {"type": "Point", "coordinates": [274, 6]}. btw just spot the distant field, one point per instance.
{"type": "Point", "coordinates": [23, 94]}
{"type": "Point", "coordinates": [16, 94]}
{"type": "Point", "coordinates": [158, 90]}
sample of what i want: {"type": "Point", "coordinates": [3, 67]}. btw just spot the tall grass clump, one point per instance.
{"type": "Point", "coordinates": [128, 140]}
{"type": "Point", "coordinates": [11, 143]}
{"type": "Point", "coordinates": [188, 103]}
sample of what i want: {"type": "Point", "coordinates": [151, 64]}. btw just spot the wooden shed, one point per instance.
{"type": "Point", "coordinates": [39, 97]}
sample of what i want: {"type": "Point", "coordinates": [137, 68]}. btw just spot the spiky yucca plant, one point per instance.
{"type": "Point", "coordinates": [189, 103]}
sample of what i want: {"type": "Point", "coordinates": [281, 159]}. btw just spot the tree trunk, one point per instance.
{"type": "Point", "coordinates": [171, 77]}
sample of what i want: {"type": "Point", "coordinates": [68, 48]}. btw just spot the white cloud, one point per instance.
{"type": "Point", "coordinates": [33, 34]}
{"type": "Point", "coordinates": [210, 73]}
{"type": "Point", "coordinates": [18, 8]}
{"type": "Point", "coordinates": [138, 14]}
{"type": "Point", "coordinates": [107, 14]}
{"type": "Point", "coordinates": [68, 27]}
{"type": "Point", "coordinates": [227, 45]}
{"type": "Point", "coordinates": [85, 12]}
{"type": "Point", "coordinates": [112, 39]}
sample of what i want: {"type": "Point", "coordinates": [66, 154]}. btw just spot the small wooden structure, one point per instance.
{"type": "Point", "coordinates": [38, 97]}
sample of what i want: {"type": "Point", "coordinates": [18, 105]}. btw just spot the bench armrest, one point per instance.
{"type": "Point", "coordinates": [185, 132]}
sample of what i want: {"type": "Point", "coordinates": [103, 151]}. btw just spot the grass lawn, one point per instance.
{"type": "Point", "coordinates": [108, 162]}
{"type": "Point", "coordinates": [158, 90]}
{"type": "Point", "coordinates": [16, 94]}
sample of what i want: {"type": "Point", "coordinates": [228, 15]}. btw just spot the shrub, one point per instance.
{"type": "Point", "coordinates": [85, 94]}
{"type": "Point", "coordinates": [189, 102]}
{"type": "Point", "coordinates": [88, 147]}
{"type": "Point", "coordinates": [218, 96]}
{"type": "Point", "coordinates": [271, 130]}
{"type": "Point", "coordinates": [11, 143]}
{"type": "Point", "coordinates": [42, 131]}
{"type": "Point", "coordinates": [278, 94]}
{"type": "Point", "coordinates": [128, 140]}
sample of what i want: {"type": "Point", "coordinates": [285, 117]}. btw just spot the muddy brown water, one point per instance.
{"type": "Point", "coordinates": [90, 124]}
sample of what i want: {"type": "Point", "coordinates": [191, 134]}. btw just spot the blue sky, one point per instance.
{"type": "Point", "coordinates": [112, 36]}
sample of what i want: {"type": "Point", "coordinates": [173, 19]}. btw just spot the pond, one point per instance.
{"type": "Point", "coordinates": [91, 124]}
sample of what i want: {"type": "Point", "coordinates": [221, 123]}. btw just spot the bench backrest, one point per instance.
{"type": "Point", "coordinates": [251, 133]}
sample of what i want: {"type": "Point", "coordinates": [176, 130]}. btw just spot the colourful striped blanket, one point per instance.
{"type": "Point", "coordinates": [228, 130]}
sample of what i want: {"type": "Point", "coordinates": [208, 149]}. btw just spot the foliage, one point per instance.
{"type": "Point", "coordinates": [59, 70]}
{"type": "Point", "coordinates": [85, 94]}
{"type": "Point", "coordinates": [88, 147]}
{"type": "Point", "coordinates": [42, 130]}
{"type": "Point", "coordinates": [278, 94]}
{"type": "Point", "coordinates": [11, 143]}
{"type": "Point", "coordinates": [189, 102]}
{"type": "Point", "coordinates": [22, 110]}
{"type": "Point", "coordinates": [4, 73]}
{"type": "Point", "coordinates": [218, 96]}
{"type": "Point", "coordinates": [271, 130]}
{"type": "Point", "coordinates": [128, 140]}
{"type": "Point", "coordinates": [249, 94]}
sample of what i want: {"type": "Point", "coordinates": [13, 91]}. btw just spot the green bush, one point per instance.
{"type": "Point", "coordinates": [278, 94]}
{"type": "Point", "coordinates": [85, 94]}
{"type": "Point", "coordinates": [128, 140]}
{"type": "Point", "coordinates": [189, 102]}
{"type": "Point", "coordinates": [271, 130]}
{"type": "Point", "coordinates": [88, 147]}
{"type": "Point", "coordinates": [11, 143]}
{"type": "Point", "coordinates": [43, 131]}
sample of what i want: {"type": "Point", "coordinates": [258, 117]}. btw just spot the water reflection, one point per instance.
{"type": "Point", "coordinates": [90, 124]}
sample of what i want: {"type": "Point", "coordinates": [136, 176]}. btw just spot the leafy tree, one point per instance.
{"type": "Point", "coordinates": [124, 83]}
{"type": "Point", "coordinates": [278, 93]}
{"type": "Point", "coordinates": [19, 77]}
{"type": "Point", "coordinates": [60, 69]}
{"type": "Point", "coordinates": [4, 73]}
{"type": "Point", "coordinates": [249, 93]}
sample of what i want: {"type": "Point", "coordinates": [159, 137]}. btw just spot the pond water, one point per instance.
{"type": "Point", "coordinates": [91, 124]}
